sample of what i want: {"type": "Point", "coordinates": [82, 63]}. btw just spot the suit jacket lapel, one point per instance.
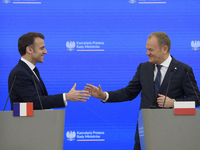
{"type": "Point", "coordinates": [165, 82]}
{"type": "Point", "coordinates": [41, 84]}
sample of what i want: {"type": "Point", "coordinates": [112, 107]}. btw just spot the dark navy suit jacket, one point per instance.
{"type": "Point", "coordinates": [25, 91]}
{"type": "Point", "coordinates": [180, 87]}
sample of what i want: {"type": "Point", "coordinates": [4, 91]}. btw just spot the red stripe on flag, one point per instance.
{"type": "Point", "coordinates": [184, 111]}
{"type": "Point", "coordinates": [29, 109]}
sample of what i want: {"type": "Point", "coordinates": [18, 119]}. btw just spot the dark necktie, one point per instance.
{"type": "Point", "coordinates": [37, 73]}
{"type": "Point", "coordinates": [40, 80]}
{"type": "Point", "coordinates": [157, 80]}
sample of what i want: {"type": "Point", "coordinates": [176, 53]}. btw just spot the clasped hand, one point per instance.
{"type": "Point", "coordinates": [168, 102]}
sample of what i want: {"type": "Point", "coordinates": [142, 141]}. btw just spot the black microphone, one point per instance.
{"type": "Point", "coordinates": [10, 90]}
{"type": "Point", "coordinates": [191, 84]}
{"type": "Point", "coordinates": [37, 90]}
{"type": "Point", "coordinates": [168, 87]}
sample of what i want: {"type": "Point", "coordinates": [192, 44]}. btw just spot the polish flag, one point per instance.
{"type": "Point", "coordinates": [184, 108]}
{"type": "Point", "coordinates": [22, 109]}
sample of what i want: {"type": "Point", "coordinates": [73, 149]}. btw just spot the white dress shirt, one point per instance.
{"type": "Point", "coordinates": [163, 69]}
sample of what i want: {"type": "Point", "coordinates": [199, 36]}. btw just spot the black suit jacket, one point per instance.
{"type": "Point", "coordinates": [180, 87]}
{"type": "Point", "coordinates": [25, 91]}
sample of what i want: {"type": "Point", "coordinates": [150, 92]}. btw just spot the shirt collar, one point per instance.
{"type": "Point", "coordinates": [31, 66]}
{"type": "Point", "coordinates": [167, 62]}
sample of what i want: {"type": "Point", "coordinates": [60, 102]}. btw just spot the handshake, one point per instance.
{"type": "Point", "coordinates": [83, 95]}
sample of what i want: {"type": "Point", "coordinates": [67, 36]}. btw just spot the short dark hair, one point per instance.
{"type": "Point", "coordinates": [163, 39]}
{"type": "Point", "coordinates": [27, 40]}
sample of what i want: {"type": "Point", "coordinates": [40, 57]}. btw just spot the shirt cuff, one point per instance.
{"type": "Point", "coordinates": [64, 99]}
{"type": "Point", "coordinates": [107, 96]}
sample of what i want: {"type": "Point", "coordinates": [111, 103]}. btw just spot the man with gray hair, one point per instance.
{"type": "Point", "coordinates": [152, 78]}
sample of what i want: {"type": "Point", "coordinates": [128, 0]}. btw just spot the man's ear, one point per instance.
{"type": "Point", "coordinates": [29, 50]}
{"type": "Point", "coordinates": [165, 48]}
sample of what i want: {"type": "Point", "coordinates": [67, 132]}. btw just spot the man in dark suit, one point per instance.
{"type": "Point", "coordinates": [151, 79]}
{"type": "Point", "coordinates": [32, 49]}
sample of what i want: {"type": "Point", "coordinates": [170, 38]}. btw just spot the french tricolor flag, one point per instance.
{"type": "Point", "coordinates": [184, 108]}
{"type": "Point", "coordinates": [22, 109]}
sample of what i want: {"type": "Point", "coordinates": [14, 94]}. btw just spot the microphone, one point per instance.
{"type": "Point", "coordinates": [168, 87]}
{"type": "Point", "coordinates": [10, 90]}
{"type": "Point", "coordinates": [37, 90]}
{"type": "Point", "coordinates": [191, 84]}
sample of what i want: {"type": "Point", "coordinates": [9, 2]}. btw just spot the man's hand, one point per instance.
{"type": "Point", "coordinates": [74, 95]}
{"type": "Point", "coordinates": [95, 91]}
{"type": "Point", "coordinates": [168, 102]}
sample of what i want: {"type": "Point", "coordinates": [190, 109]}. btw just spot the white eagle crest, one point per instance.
{"type": "Point", "coordinates": [70, 45]}
{"type": "Point", "coordinates": [195, 45]}
{"type": "Point", "coordinates": [6, 1]}
{"type": "Point", "coordinates": [132, 1]}
{"type": "Point", "coordinates": [70, 135]}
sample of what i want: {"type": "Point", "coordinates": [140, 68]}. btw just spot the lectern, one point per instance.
{"type": "Point", "coordinates": [160, 129]}
{"type": "Point", "coordinates": [43, 131]}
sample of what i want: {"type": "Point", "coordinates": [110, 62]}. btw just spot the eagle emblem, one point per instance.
{"type": "Point", "coordinates": [70, 135]}
{"type": "Point", "coordinates": [70, 45]}
{"type": "Point", "coordinates": [132, 1]}
{"type": "Point", "coordinates": [6, 1]}
{"type": "Point", "coordinates": [195, 45]}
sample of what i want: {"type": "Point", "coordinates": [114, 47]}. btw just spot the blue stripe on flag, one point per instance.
{"type": "Point", "coordinates": [16, 109]}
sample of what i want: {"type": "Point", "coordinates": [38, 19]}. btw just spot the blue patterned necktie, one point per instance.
{"type": "Point", "coordinates": [157, 80]}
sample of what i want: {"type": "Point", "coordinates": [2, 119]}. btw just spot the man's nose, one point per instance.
{"type": "Point", "coordinates": [147, 53]}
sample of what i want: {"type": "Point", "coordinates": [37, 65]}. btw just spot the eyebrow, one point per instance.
{"type": "Point", "coordinates": [42, 47]}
